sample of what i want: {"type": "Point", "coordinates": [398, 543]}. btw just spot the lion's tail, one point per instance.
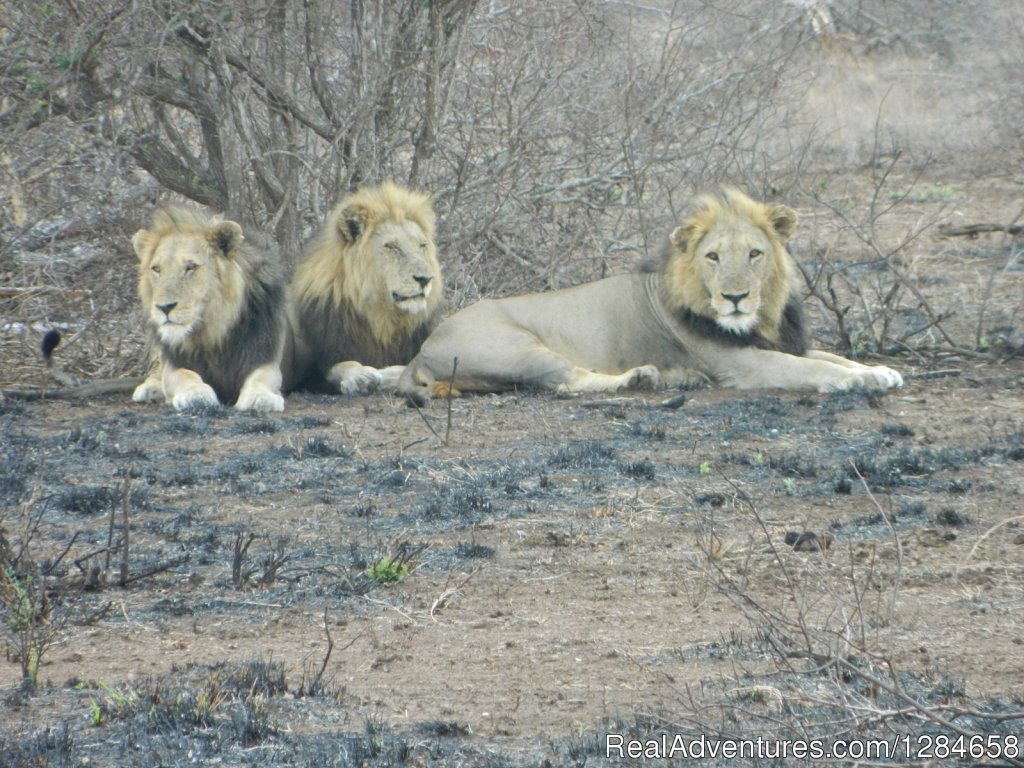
{"type": "Point", "coordinates": [71, 388]}
{"type": "Point", "coordinates": [52, 340]}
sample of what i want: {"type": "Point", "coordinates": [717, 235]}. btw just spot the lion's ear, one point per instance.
{"type": "Point", "coordinates": [143, 243]}
{"type": "Point", "coordinates": [225, 237]}
{"type": "Point", "coordinates": [681, 236]}
{"type": "Point", "coordinates": [783, 220]}
{"type": "Point", "coordinates": [351, 223]}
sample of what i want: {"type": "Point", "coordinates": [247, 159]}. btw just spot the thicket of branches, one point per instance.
{"type": "Point", "coordinates": [548, 133]}
{"type": "Point", "coordinates": [560, 140]}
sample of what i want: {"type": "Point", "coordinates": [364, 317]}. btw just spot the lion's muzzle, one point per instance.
{"type": "Point", "coordinates": [167, 309]}
{"type": "Point", "coordinates": [416, 301]}
{"type": "Point", "coordinates": [171, 326]}
{"type": "Point", "coordinates": [736, 298]}
{"type": "Point", "coordinates": [736, 311]}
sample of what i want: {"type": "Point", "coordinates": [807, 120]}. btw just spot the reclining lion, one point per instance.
{"type": "Point", "coordinates": [722, 303]}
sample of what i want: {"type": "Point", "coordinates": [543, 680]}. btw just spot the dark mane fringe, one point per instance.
{"type": "Point", "coordinates": [254, 340]}
{"type": "Point", "coordinates": [792, 330]}
{"type": "Point", "coordinates": [344, 334]}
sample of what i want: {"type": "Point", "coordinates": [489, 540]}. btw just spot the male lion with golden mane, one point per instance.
{"type": "Point", "coordinates": [722, 304]}
{"type": "Point", "coordinates": [216, 312]}
{"type": "Point", "coordinates": [365, 294]}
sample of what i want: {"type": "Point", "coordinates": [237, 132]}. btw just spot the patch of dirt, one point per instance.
{"type": "Point", "coordinates": [572, 563]}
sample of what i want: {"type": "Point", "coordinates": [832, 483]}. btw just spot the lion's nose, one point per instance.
{"type": "Point", "coordinates": [735, 298]}
{"type": "Point", "coordinates": [166, 308]}
{"type": "Point", "coordinates": [423, 280]}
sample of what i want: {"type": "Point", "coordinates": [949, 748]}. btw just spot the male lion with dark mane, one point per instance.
{"type": "Point", "coordinates": [365, 294]}
{"type": "Point", "coordinates": [215, 307]}
{"type": "Point", "coordinates": [722, 304]}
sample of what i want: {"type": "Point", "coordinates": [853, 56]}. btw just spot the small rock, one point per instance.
{"type": "Point", "coordinates": [674, 402]}
{"type": "Point", "coordinates": [808, 541]}
{"type": "Point", "coordinates": [951, 518]}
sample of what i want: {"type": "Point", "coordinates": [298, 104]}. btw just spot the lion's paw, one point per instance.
{"type": "Point", "coordinates": [201, 396]}
{"type": "Point", "coordinates": [149, 391]}
{"type": "Point", "coordinates": [363, 383]}
{"type": "Point", "coordinates": [643, 377]}
{"type": "Point", "coordinates": [874, 378]}
{"type": "Point", "coordinates": [870, 378]}
{"type": "Point", "coordinates": [351, 378]}
{"type": "Point", "coordinates": [890, 378]}
{"type": "Point", "coordinates": [261, 402]}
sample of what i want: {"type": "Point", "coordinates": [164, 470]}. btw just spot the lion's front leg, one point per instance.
{"type": "Point", "coordinates": [186, 389]}
{"type": "Point", "coordinates": [389, 378]}
{"type": "Point", "coordinates": [582, 380]}
{"type": "Point", "coordinates": [351, 377]}
{"type": "Point", "coordinates": [261, 391]}
{"type": "Point", "coordinates": [871, 371]}
{"type": "Point", "coordinates": [151, 390]}
{"type": "Point", "coordinates": [684, 378]}
{"type": "Point", "coordinates": [761, 368]}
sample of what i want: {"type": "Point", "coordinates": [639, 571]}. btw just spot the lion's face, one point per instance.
{"type": "Point", "coordinates": [375, 261]}
{"type": "Point", "coordinates": [730, 263]}
{"type": "Point", "coordinates": [404, 265]}
{"type": "Point", "coordinates": [187, 282]}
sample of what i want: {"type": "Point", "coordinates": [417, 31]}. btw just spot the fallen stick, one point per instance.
{"type": "Point", "coordinates": [973, 230]}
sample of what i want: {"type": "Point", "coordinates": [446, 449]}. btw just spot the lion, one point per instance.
{"type": "Point", "coordinates": [366, 292]}
{"type": "Point", "coordinates": [215, 306]}
{"type": "Point", "coordinates": [721, 305]}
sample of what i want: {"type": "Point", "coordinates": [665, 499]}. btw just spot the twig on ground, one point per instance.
{"type": "Point", "coordinates": [161, 568]}
{"type": "Point", "coordinates": [448, 401]}
{"type": "Point", "coordinates": [895, 537]}
{"type": "Point", "coordinates": [945, 373]}
{"type": "Point", "coordinates": [985, 535]}
{"type": "Point", "coordinates": [330, 648]}
{"type": "Point", "coordinates": [429, 425]}
{"type": "Point", "coordinates": [123, 580]}
{"type": "Point", "coordinates": [973, 230]}
{"type": "Point", "coordinates": [449, 592]}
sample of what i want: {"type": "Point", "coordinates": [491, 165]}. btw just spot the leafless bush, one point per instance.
{"type": "Point", "coordinates": [29, 624]}
{"type": "Point", "coordinates": [548, 132]}
{"type": "Point", "coordinates": [275, 556]}
{"type": "Point", "coordinates": [883, 290]}
{"type": "Point", "coordinates": [876, 302]}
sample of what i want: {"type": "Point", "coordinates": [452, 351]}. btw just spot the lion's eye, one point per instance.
{"type": "Point", "coordinates": [393, 247]}
{"type": "Point", "coordinates": [190, 268]}
{"type": "Point", "coordinates": [423, 245]}
{"type": "Point", "coordinates": [711, 256]}
{"type": "Point", "coordinates": [756, 254]}
{"type": "Point", "coordinates": [156, 269]}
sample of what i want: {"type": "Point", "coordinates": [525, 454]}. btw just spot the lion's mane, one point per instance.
{"type": "Point", "coordinates": [341, 310]}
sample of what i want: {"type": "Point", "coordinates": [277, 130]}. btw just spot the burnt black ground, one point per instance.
{"type": "Point", "coordinates": [231, 513]}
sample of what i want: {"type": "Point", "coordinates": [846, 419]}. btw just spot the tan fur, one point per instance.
{"type": "Point", "coordinates": [357, 305]}
{"type": "Point", "coordinates": [195, 275]}
{"type": "Point", "coordinates": [721, 306]}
